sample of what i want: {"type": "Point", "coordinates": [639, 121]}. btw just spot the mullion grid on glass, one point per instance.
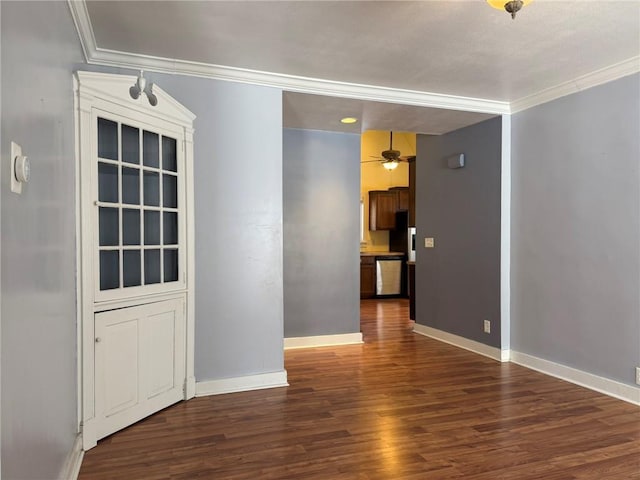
{"type": "Point", "coordinates": [148, 248]}
{"type": "Point", "coordinates": [120, 213]}
{"type": "Point", "coordinates": [141, 203]}
{"type": "Point", "coordinates": [161, 203]}
{"type": "Point", "coordinates": [110, 205]}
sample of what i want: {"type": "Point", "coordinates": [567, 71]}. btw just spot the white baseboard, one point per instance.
{"type": "Point", "coordinates": [615, 389]}
{"type": "Point", "coordinates": [242, 384]}
{"type": "Point", "coordinates": [323, 340]}
{"type": "Point", "coordinates": [190, 388]}
{"type": "Point", "coordinates": [72, 465]}
{"type": "Point", "coordinates": [458, 341]}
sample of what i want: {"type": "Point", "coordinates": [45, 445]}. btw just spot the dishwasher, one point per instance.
{"type": "Point", "coordinates": [389, 275]}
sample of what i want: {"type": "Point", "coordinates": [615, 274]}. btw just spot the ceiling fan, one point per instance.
{"type": "Point", "coordinates": [389, 158]}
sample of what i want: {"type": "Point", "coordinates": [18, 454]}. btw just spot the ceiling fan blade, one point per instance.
{"type": "Point", "coordinates": [371, 161]}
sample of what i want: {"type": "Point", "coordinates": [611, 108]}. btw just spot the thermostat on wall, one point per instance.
{"type": "Point", "coordinates": [20, 168]}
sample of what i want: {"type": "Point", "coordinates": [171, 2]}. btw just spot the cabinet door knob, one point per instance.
{"type": "Point", "coordinates": [98, 339]}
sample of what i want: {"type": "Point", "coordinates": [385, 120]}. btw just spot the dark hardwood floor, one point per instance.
{"type": "Point", "coordinates": [401, 406]}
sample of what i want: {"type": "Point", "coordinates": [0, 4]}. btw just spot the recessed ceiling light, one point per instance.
{"type": "Point", "coordinates": [348, 120]}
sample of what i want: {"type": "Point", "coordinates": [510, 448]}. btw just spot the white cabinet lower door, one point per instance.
{"type": "Point", "coordinates": [139, 363]}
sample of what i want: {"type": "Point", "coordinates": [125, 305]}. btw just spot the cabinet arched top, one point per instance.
{"type": "Point", "coordinates": [112, 88]}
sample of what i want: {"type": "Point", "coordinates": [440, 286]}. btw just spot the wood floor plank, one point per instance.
{"type": "Point", "coordinates": [400, 406]}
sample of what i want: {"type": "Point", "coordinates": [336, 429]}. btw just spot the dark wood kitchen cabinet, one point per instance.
{"type": "Point", "coordinates": [383, 205]}
{"type": "Point", "coordinates": [402, 200]}
{"type": "Point", "coordinates": [367, 277]}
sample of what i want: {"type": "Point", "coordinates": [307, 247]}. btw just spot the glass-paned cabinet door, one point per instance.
{"type": "Point", "coordinates": [139, 208]}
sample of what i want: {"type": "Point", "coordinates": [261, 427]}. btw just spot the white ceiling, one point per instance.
{"type": "Point", "coordinates": [318, 112]}
{"type": "Point", "coordinates": [461, 48]}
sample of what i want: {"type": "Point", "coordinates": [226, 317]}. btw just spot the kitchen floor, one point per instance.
{"type": "Point", "coordinates": [400, 406]}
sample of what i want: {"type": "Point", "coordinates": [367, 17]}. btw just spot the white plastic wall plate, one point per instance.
{"type": "Point", "coordinates": [16, 150]}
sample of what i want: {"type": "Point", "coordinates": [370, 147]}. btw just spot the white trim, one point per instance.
{"type": "Point", "coordinates": [78, 240]}
{"type": "Point", "coordinates": [505, 235]}
{"type": "Point", "coordinates": [458, 341]}
{"type": "Point", "coordinates": [83, 25]}
{"type": "Point", "coordinates": [323, 340]}
{"type": "Point", "coordinates": [593, 79]}
{"type": "Point", "coordinates": [190, 387]}
{"type": "Point", "coordinates": [242, 384]}
{"type": "Point", "coordinates": [615, 389]}
{"type": "Point", "coordinates": [292, 83]}
{"type": "Point", "coordinates": [99, 56]}
{"type": "Point", "coordinates": [72, 464]}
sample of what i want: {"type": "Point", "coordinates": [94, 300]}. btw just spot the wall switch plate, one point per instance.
{"type": "Point", "coordinates": [638, 375]}
{"type": "Point", "coordinates": [429, 242]}
{"type": "Point", "coordinates": [16, 151]}
{"type": "Point", "coordinates": [487, 326]}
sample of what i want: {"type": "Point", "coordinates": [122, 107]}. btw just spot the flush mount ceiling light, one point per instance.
{"type": "Point", "coordinates": [348, 120]}
{"type": "Point", "coordinates": [513, 6]}
{"type": "Point", "coordinates": [141, 86]}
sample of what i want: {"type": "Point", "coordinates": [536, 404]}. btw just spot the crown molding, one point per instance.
{"type": "Point", "coordinates": [291, 83]}
{"type": "Point", "coordinates": [593, 79]}
{"type": "Point", "coordinates": [82, 21]}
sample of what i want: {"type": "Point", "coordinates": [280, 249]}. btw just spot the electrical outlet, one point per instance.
{"type": "Point", "coordinates": [487, 326]}
{"type": "Point", "coordinates": [638, 375]}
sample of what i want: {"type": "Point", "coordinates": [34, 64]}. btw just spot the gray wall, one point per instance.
{"type": "Point", "coordinates": [321, 177]}
{"type": "Point", "coordinates": [39, 48]}
{"type": "Point", "coordinates": [238, 223]}
{"type": "Point", "coordinates": [575, 278]}
{"type": "Point", "coordinates": [458, 281]}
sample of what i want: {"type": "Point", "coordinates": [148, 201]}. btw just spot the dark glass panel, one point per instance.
{"type": "Point", "coordinates": [131, 268]}
{"type": "Point", "coordinates": [131, 186]}
{"type": "Point", "coordinates": [169, 191]}
{"type": "Point", "coordinates": [169, 158]}
{"type": "Point", "coordinates": [151, 227]}
{"type": "Point", "coordinates": [109, 270]}
{"type": "Point", "coordinates": [152, 189]}
{"type": "Point", "coordinates": [151, 266]}
{"type": "Point", "coordinates": [170, 227]}
{"type": "Point", "coordinates": [130, 226]}
{"type": "Point", "coordinates": [171, 265]}
{"type": "Point", "coordinates": [107, 183]}
{"type": "Point", "coordinates": [151, 149]}
{"type": "Point", "coordinates": [108, 226]}
{"type": "Point", "coordinates": [130, 144]}
{"type": "Point", "coordinates": [107, 139]}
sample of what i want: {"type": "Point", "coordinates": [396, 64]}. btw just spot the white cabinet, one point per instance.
{"type": "Point", "coordinates": [136, 264]}
{"type": "Point", "coordinates": [139, 363]}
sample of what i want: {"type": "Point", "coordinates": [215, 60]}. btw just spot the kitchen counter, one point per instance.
{"type": "Point", "coordinates": [381, 254]}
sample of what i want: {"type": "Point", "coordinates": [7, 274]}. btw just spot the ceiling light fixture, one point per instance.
{"type": "Point", "coordinates": [513, 6]}
{"type": "Point", "coordinates": [141, 86]}
{"type": "Point", "coordinates": [349, 120]}
{"type": "Point", "coordinates": [390, 164]}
